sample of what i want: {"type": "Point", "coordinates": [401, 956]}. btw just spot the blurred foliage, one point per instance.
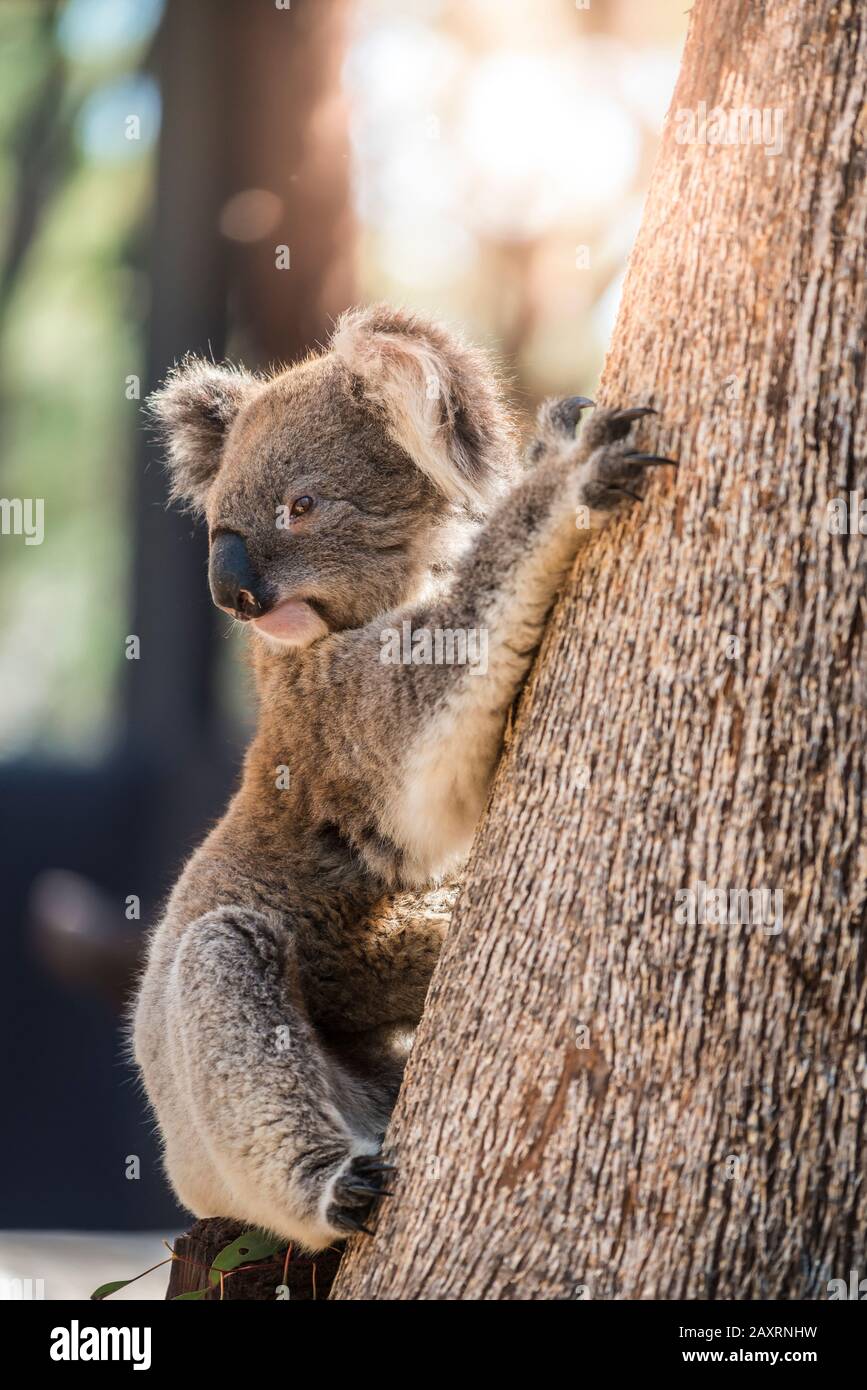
{"type": "Point", "coordinates": [501, 157]}
{"type": "Point", "coordinates": [71, 332]}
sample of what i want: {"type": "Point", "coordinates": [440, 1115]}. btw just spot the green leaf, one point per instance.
{"type": "Point", "coordinates": [196, 1293]}
{"type": "Point", "coordinates": [105, 1289]}
{"type": "Point", "coordinates": [251, 1246]}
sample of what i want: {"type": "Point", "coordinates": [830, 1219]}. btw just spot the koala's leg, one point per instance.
{"type": "Point", "coordinates": [449, 717]}
{"type": "Point", "coordinates": [375, 972]}
{"type": "Point", "coordinates": [158, 1052]}
{"type": "Point", "coordinates": [292, 1136]}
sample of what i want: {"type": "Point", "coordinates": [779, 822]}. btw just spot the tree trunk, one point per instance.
{"type": "Point", "coordinates": [607, 1100]}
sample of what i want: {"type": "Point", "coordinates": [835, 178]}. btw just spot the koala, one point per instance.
{"type": "Point", "coordinates": [374, 489]}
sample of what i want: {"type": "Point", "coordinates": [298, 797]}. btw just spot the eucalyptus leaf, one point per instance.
{"type": "Point", "coordinates": [105, 1289]}
{"type": "Point", "coordinates": [250, 1246]}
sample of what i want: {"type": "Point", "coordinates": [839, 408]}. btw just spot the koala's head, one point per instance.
{"type": "Point", "coordinates": [332, 487]}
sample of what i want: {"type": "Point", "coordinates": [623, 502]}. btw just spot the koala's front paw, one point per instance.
{"type": "Point", "coordinates": [356, 1188]}
{"type": "Point", "coordinates": [611, 472]}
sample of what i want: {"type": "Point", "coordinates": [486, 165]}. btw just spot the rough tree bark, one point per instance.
{"type": "Point", "coordinates": [604, 1101]}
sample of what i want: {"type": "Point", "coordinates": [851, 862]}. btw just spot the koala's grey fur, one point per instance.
{"type": "Point", "coordinates": [291, 965]}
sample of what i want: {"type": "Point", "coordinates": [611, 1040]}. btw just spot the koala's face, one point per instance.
{"type": "Point", "coordinates": [316, 520]}
{"type": "Point", "coordinates": [328, 487]}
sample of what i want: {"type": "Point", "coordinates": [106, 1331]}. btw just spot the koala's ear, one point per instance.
{"type": "Point", "coordinates": [193, 411]}
{"type": "Point", "coordinates": [441, 399]}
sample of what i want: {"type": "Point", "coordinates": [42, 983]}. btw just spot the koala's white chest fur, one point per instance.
{"type": "Point", "coordinates": [445, 786]}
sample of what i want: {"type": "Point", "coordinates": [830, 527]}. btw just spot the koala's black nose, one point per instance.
{"type": "Point", "coordinates": [234, 582]}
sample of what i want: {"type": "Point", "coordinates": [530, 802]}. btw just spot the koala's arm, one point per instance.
{"type": "Point", "coordinates": [426, 737]}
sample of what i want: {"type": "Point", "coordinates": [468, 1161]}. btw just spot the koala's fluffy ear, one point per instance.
{"type": "Point", "coordinates": [441, 399]}
{"type": "Point", "coordinates": [193, 411]}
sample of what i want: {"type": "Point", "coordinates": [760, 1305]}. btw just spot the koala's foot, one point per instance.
{"type": "Point", "coordinates": [612, 472]}
{"type": "Point", "coordinates": [355, 1190]}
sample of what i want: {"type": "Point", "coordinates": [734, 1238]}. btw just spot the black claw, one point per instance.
{"type": "Point", "coordinates": [344, 1219]}
{"type": "Point", "coordinates": [367, 1188]}
{"type": "Point", "coordinates": [358, 1190]}
{"type": "Point", "coordinates": [649, 458]}
{"type": "Point", "coordinates": [636, 412]}
{"type": "Point", "coordinates": [566, 412]}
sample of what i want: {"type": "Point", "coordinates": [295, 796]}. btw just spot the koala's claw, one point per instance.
{"type": "Point", "coordinates": [356, 1191]}
{"type": "Point", "coordinates": [557, 417]}
{"type": "Point", "coordinates": [606, 426]}
{"type": "Point", "coordinates": [347, 1222]}
{"type": "Point", "coordinates": [363, 1186]}
{"type": "Point", "coordinates": [635, 412]}
{"type": "Point", "coordinates": [635, 457]}
{"type": "Point", "coordinates": [566, 413]}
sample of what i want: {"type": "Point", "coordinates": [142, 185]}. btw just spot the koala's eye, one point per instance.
{"type": "Point", "coordinates": [300, 506]}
